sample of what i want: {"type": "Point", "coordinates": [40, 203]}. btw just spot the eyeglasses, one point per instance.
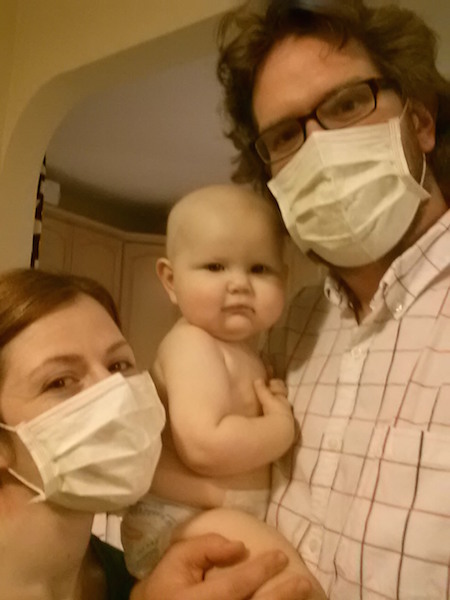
{"type": "Point", "coordinates": [340, 109]}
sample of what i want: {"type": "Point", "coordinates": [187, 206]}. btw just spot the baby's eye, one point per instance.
{"type": "Point", "coordinates": [260, 269]}
{"type": "Point", "coordinates": [214, 267]}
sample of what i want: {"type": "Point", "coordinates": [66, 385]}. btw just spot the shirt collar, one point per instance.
{"type": "Point", "coordinates": [409, 274]}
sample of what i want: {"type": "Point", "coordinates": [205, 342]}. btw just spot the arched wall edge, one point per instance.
{"type": "Point", "coordinates": [48, 107]}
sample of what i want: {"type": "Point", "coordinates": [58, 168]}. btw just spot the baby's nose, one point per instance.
{"type": "Point", "coordinates": [239, 282]}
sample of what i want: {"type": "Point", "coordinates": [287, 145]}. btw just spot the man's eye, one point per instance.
{"type": "Point", "coordinates": [284, 137]}
{"type": "Point", "coordinates": [345, 106]}
{"type": "Point", "coordinates": [214, 267]}
{"type": "Point", "coordinates": [349, 104]}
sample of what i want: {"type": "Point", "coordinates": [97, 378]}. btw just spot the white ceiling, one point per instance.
{"type": "Point", "coordinates": [155, 139]}
{"type": "Point", "coordinates": [151, 140]}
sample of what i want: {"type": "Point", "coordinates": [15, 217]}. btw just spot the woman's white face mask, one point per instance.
{"type": "Point", "coordinates": [98, 450]}
{"type": "Point", "coordinates": [348, 194]}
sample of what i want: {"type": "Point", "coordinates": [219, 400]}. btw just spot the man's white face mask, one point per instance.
{"type": "Point", "coordinates": [98, 450]}
{"type": "Point", "coordinates": [348, 194]}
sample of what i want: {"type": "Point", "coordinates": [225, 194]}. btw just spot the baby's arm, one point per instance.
{"type": "Point", "coordinates": [210, 435]}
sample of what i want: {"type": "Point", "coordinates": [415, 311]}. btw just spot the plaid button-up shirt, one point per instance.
{"type": "Point", "coordinates": [365, 493]}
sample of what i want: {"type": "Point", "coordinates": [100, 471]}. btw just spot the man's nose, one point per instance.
{"type": "Point", "coordinates": [312, 125]}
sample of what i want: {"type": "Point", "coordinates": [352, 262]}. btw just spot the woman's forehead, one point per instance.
{"type": "Point", "coordinates": [81, 320]}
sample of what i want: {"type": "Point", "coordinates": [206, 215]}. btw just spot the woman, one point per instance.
{"type": "Point", "coordinates": [63, 457]}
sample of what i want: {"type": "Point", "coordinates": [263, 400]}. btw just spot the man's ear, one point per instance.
{"type": "Point", "coordinates": [165, 273]}
{"type": "Point", "coordinates": [424, 122]}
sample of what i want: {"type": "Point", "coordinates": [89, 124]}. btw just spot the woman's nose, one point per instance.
{"type": "Point", "coordinates": [97, 373]}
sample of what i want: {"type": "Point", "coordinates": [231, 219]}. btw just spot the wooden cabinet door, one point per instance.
{"type": "Point", "coordinates": [55, 246]}
{"type": "Point", "coordinates": [99, 256]}
{"type": "Point", "coordinates": [146, 310]}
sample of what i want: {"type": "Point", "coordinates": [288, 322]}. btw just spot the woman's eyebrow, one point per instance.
{"type": "Point", "coordinates": [56, 361]}
{"type": "Point", "coordinates": [118, 346]}
{"type": "Point", "coordinates": [75, 359]}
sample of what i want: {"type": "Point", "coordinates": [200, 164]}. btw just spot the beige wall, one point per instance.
{"type": "Point", "coordinates": [55, 52]}
{"type": "Point", "coordinates": [7, 31]}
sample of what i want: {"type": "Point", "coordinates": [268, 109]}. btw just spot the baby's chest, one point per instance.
{"type": "Point", "coordinates": [243, 368]}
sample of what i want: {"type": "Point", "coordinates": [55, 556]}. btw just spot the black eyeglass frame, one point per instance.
{"type": "Point", "coordinates": [375, 84]}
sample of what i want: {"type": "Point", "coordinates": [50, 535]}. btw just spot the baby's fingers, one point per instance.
{"type": "Point", "coordinates": [278, 387]}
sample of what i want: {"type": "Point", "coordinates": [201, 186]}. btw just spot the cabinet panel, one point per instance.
{"type": "Point", "coordinates": [146, 310]}
{"type": "Point", "coordinates": [99, 256]}
{"type": "Point", "coordinates": [124, 263]}
{"type": "Point", "coordinates": [55, 247]}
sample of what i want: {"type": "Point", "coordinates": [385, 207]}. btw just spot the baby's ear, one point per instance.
{"type": "Point", "coordinates": [164, 271]}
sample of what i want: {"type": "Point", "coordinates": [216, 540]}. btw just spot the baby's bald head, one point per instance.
{"type": "Point", "coordinates": [210, 204]}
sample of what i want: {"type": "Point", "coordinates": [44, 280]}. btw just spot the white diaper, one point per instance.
{"type": "Point", "coordinates": [148, 526]}
{"type": "Point", "coordinates": [147, 529]}
{"type": "Point", "coordinates": [254, 502]}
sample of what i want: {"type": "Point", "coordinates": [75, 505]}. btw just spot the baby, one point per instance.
{"type": "Point", "coordinates": [228, 420]}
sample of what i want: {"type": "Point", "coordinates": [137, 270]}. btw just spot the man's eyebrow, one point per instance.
{"type": "Point", "coordinates": [335, 90]}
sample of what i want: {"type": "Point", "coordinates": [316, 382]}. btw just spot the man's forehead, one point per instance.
{"type": "Point", "coordinates": [299, 72]}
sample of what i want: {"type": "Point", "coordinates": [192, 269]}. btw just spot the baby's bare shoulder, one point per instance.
{"type": "Point", "coordinates": [182, 330]}
{"type": "Point", "coordinates": [187, 340]}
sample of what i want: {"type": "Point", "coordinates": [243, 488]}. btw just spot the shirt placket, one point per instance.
{"type": "Point", "coordinates": [349, 375]}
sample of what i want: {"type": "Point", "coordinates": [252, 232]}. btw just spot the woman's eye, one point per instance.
{"type": "Point", "coordinates": [122, 366]}
{"type": "Point", "coordinates": [60, 383]}
{"type": "Point", "coordinates": [57, 384]}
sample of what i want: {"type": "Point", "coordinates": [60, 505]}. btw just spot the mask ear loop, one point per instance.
{"type": "Point", "coordinates": [424, 169]}
{"type": "Point", "coordinates": [405, 108]}
{"type": "Point", "coordinates": [34, 488]}
{"type": "Point", "coordinates": [424, 158]}
{"type": "Point", "coordinates": [40, 497]}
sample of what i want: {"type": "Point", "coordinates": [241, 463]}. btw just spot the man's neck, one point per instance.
{"type": "Point", "coordinates": [361, 284]}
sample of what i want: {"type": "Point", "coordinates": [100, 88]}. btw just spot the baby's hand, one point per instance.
{"type": "Point", "coordinates": [273, 396]}
{"type": "Point", "coordinates": [275, 405]}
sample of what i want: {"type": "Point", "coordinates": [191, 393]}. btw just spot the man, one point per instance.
{"type": "Point", "coordinates": [340, 110]}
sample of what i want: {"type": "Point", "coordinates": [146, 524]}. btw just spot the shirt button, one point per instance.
{"type": "Point", "coordinates": [398, 308]}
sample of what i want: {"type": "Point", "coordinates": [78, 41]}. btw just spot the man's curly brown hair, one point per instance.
{"type": "Point", "coordinates": [398, 41]}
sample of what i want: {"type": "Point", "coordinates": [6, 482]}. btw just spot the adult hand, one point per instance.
{"type": "Point", "coordinates": [180, 574]}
